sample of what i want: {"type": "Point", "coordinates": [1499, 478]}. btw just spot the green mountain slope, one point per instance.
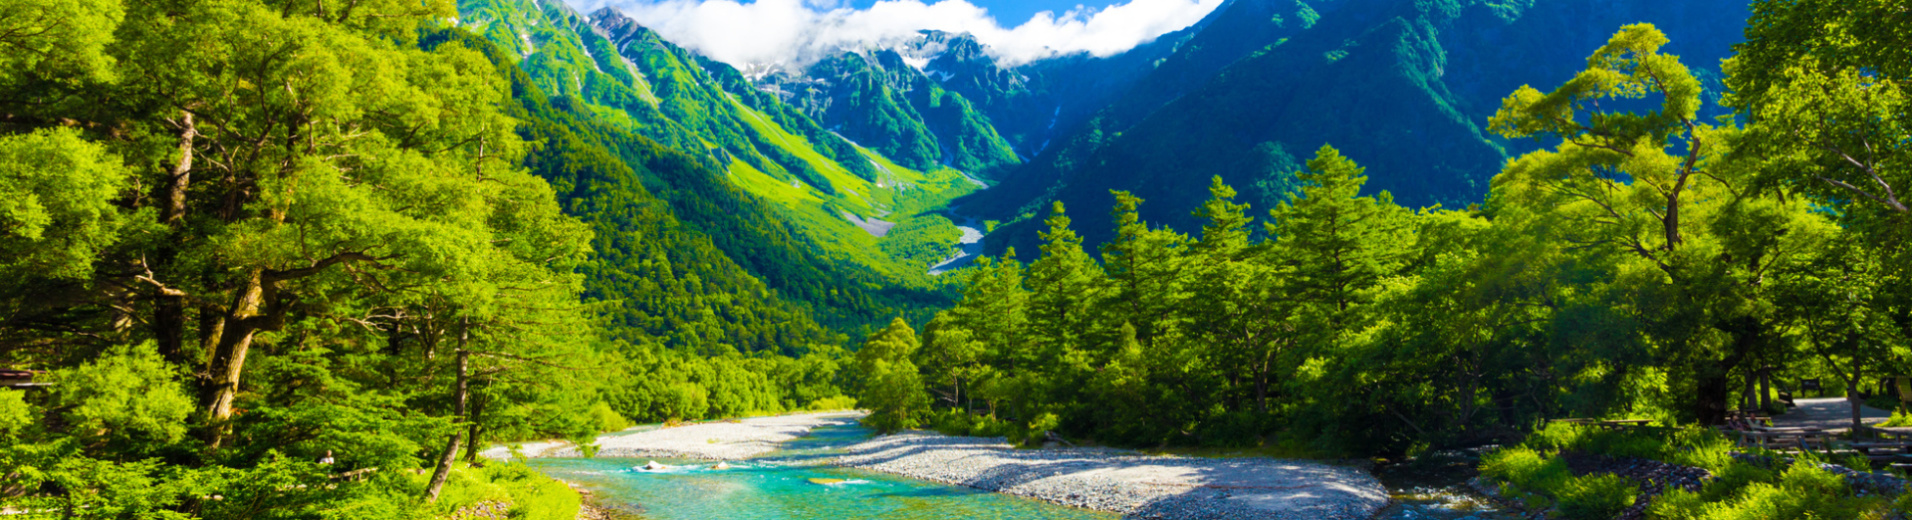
{"type": "Point", "coordinates": [878, 99]}
{"type": "Point", "coordinates": [1234, 31]}
{"type": "Point", "coordinates": [820, 221]}
{"type": "Point", "coordinates": [1404, 87]}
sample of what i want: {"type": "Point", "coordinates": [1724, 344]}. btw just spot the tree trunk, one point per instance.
{"type": "Point", "coordinates": [1261, 385]}
{"type": "Point", "coordinates": [1747, 401]}
{"type": "Point", "coordinates": [451, 446]}
{"type": "Point", "coordinates": [472, 441]}
{"type": "Point", "coordinates": [169, 311]}
{"type": "Point", "coordinates": [1852, 394]}
{"type": "Point", "coordinates": [1710, 401]}
{"type": "Point", "coordinates": [229, 359]}
{"type": "Point", "coordinates": [1765, 389]}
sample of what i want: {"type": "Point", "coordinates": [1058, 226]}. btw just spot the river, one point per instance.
{"type": "Point", "coordinates": [792, 484]}
{"type": "Point", "coordinates": [796, 484]}
{"type": "Point", "coordinates": [971, 245]}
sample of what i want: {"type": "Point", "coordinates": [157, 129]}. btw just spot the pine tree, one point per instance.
{"type": "Point", "coordinates": [1143, 266]}
{"type": "Point", "coordinates": [1240, 316]}
{"type": "Point", "coordinates": [1064, 287]}
{"type": "Point", "coordinates": [1334, 244]}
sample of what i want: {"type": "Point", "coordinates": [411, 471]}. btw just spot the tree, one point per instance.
{"type": "Point", "coordinates": [1142, 265]}
{"type": "Point", "coordinates": [1691, 234]}
{"type": "Point", "coordinates": [1334, 243]}
{"type": "Point", "coordinates": [1825, 86]}
{"type": "Point", "coordinates": [892, 388]}
{"type": "Point", "coordinates": [1240, 313]}
{"type": "Point", "coordinates": [1064, 285]}
{"type": "Point", "coordinates": [950, 357]}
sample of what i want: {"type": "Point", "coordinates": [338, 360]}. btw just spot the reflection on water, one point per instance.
{"type": "Point", "coordinates": [791, 484]}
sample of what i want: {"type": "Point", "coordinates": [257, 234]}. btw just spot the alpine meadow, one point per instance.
{"type": "Point", "coordinates": [902, 259]}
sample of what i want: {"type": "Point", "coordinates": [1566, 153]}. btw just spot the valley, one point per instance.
{"type": "Point", "coordinates": [1363, 259]}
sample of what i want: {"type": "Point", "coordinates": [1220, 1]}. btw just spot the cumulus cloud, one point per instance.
{"type": "Point", "coordinates": [773, 32]}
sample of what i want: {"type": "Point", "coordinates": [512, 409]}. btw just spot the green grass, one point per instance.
{"type": "Point", "coordinates": [529, 494]}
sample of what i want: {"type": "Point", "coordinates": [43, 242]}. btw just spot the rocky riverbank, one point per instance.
{"type": "Point", "coordinates": [1138, 486]}
{"type": "Point", "coordinates": [724, 440]}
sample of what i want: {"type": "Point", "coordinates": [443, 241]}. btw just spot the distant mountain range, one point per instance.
{"type": "Point", "coordinates": [861, 155]}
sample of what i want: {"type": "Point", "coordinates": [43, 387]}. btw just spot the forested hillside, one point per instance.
{"type": "Point", "coordinates": [1645, 261]}
{"type": "Point", "coordinates": [1404, 85]}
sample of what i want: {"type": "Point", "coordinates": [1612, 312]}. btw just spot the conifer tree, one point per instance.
{"type": "Point", "coordinates": [1064, 287]}
{"type": "Point", "coordinates": [1335, 243]}
{"type": "Point", "coordinates": [1238, 313]}
{"type": "Point", "coordinates": [892, 388]}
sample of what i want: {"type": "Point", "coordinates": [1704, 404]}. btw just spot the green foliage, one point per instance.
{"type": "Point", "coordinates": [1597, 497]}
{"type": "Point", "coordinates": [891, 387]}
{"type": "Point", "coordinates": [56, 194]}
{"type": "Point", "coordinates": [1526, 468]}
{"type": "Point", "coordinates": [128, 395]}
{"type": "Point", "coordinates": [1801, 491]}
{"type": "Point", "coordinates": [531, 495]}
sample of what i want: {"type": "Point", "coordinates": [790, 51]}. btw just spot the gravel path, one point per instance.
{"type": "Point", "coordinates": [726, 440]}
{"type": "Point", "coordinates": [1832, 413]}
{"type": "Point", "coordinates": [1137, 486]}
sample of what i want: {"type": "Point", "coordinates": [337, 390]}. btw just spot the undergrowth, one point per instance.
{"type": "Point", "coordinates": [1536, 476]}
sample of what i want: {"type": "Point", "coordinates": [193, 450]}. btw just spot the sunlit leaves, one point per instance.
{"type": "Point", "coordinates": [56, 203]}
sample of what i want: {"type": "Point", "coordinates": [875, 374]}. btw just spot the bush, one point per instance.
{"type": "Point", "coordinates": [1730, 481]}
{"type": "Point", "coordinates": [835, 402]}
{"type": "Point", "coordinates": [604, 419]}
{"type": "Point", "coordinates": [1525, 468]}
{"type": "Point", "coordinates": [1596, 497]}
{"type": "Point", "coordinates": [531, 495]}
{"type": "Point", "coordinates": [1802, 491]}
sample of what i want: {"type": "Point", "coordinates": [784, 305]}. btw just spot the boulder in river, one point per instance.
{"type": "Point", "coordinates": [653, 466]}
{"type": "Point", "coordinates": [721, 465]}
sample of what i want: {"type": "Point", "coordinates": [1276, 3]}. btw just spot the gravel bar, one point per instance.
{"type": "Point", "coordinates": [1135, 485]}
{"type": "Point", "coordinates": [723, 440]}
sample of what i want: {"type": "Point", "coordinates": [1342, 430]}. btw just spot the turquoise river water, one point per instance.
{"type": "Point", "coordinates": [794, 484]}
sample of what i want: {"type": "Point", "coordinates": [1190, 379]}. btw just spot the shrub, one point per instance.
{"type": "Point", "coordinates": [1596, 497]}
{"type": "Point", "coordinates": [835, 402]}
{"type": "Point", "coordinates": [1525, 468]}
{"type": "Point", "coordinates": [1899, 419]}
{"type": "Point", "coordinates": [1734, 478]}
{"type": "Point", "coordinates": [604, 419]}
{"type": "Point", "coordinates": [1802, 491]}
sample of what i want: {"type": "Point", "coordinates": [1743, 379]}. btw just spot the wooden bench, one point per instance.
{"type": "Point", "coordinates": [1608, 424]}
{"type": "Point", "coordinates": [1880, 443]}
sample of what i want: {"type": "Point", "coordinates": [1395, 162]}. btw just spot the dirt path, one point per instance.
{"type": "Point", "coordinates": [1827, 412]}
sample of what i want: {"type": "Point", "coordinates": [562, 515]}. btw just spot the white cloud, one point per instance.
{"type": "Point", "coordinates": [769, 32]}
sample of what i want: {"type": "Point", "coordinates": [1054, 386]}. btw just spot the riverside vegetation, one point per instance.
{"type": "Point", "coordinates": [1646, 263]}
{"type": "Point", "coordinates": [288, 259]}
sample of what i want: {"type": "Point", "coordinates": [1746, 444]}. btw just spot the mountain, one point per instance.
{"type": "Point", "coordinates": [1233, 31]}
{"type": "Point", "coordinates": [879, 99]}
{"type": "Point", "coordinates": [941, 98]}
{"type": "Point", "coordinates": [1403, 87]}
{"type": "Point", "coordinates": [823, 223]}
